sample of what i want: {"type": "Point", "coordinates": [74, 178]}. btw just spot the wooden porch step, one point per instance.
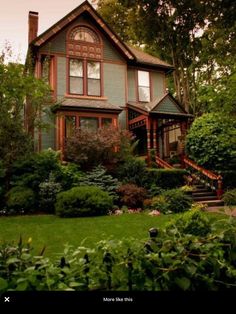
{"type": "Point", "coordinates": [203, 193]}
{"type": "Point", "coordinates": [212, 203]}
{"type": "Point", "coordinates": [205, 198]}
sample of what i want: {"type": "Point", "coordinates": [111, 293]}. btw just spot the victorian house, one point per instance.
{"type": "Point", "coordinates": [99, 80]}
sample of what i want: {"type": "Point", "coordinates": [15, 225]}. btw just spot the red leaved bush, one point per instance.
{"type": "Point", "coordinates": [90, 148]}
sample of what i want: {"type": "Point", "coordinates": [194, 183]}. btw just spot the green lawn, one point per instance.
{"type": "Point", "coordinates": [55, 232]}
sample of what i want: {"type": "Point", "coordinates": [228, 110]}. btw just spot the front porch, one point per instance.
{"type": "Point", "coordinates": [160, 127]}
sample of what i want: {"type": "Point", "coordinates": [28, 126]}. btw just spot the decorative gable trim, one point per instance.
{"type": "Point", "coordinates": [84, 7]}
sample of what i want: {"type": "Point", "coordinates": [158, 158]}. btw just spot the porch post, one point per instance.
{"type": "Point", "coordinates": [148, 127]}
{"type": "Point", "coordinates": [183, 128]}
{"type": "Point", "coordinates": [154, 132]}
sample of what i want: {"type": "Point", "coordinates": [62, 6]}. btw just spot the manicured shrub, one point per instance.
{"type": "Point", "coordinates": [48, 191]}
{"type": "Point", "coordinates": [83, 201]}
{"type": "Point", "coordinates": [131, 195]}
{"type": "Point", "coordinates": [133, 171]}
{"type": "Point", "coordinates": [166, 178]}
{"type": "Point", "coordinates": [172, 201]}
{"type": "Point", "coordinates": [229, 197]}
{"type": "Point", "coordinates": [20, 200]}
{"type": "Point", "coordinates": [193, 222]}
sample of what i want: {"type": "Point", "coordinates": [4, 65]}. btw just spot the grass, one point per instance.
{"type": "Point", "coordinates": [54, 232]}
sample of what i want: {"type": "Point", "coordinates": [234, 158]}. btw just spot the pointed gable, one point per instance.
{"type": "Point", "coordinates": [168, 105]}
{"type": "Point", "coordinates": [85, 7]}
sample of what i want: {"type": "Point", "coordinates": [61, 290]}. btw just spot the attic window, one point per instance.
{"type": "Point", "coordinates": [82, 33]}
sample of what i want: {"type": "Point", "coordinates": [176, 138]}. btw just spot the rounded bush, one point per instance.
{"type": "Point", "coordinates": [131, 195]}
{"type": "Point", "coordinates": [21, 199]}
{"type": "Point", "coordinates": [83, 201]}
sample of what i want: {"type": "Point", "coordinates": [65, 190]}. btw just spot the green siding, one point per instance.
{"type": "Point", "coordinates": [48, 136]}
{"type": "Point", "coordinates": [114, 83]}
{"type": "Point", "coordinates": [167, 105]}
{"type": "Point", "coordinates": [110, 52]}
{"type": "Point", "coordinates": [131, 85]}
{"type": "Point", "coordinates": [158, 84]}
{"type": "Point", "coordinates": [61, 76]}
{"type": "Point", "coordinates": [122, 119]}
{"type": "Point", "coordinates": [57, 44]}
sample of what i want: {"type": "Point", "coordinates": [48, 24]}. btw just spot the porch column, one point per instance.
{"type": "Point", "coordinates": [183, 128]}
{"type": "Point", "coordinates": [148, 127]}
{"type": "Point", "coordinates": [154, 133]}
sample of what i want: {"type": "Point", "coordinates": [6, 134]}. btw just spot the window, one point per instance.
{"type": "Point", "coordinates": [47, 69]}
{"type": "Point", "coordinates": [89, 123]}
{"type": "Point", "coordinates": [106, 122]}
{"type": "Point", "coordinates": [82, 33]}
{"type": "Point", "coordinates": [76, 77]}
{"type": "Point", "coordinates": [93, 75]}
{"type": "Point", "coordinates": [143, 86]}
{"type": "Point", "coordinates": [88, 83]}
{"type": "Point", "coordinates": [70, 124]}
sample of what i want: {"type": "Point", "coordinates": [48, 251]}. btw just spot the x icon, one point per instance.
{"type": "Point", "coordinates": [6, 299]}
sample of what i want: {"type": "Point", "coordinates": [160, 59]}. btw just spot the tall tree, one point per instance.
{"type": "Point", "coordinates": [15, 88]}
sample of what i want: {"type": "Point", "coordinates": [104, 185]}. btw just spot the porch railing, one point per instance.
{"type": "Point", "coordinates": [162, 163]}
{"type": "Point", "coordinates": [215, 179]}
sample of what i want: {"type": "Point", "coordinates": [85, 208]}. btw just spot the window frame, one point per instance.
{"type": "Point", "coordinates": [85, 77]}
{"type": "Point", "coordinates": [144, 86]}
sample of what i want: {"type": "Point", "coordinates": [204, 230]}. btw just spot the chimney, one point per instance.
{"type": "Point", "coordinates": [33, 25]}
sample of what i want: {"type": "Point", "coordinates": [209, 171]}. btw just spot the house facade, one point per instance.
{"type": "Point", "coordinates": [99, 80]}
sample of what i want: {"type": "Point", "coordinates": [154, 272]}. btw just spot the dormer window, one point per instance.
{"type": "Point", "coordinates": [143, 86]}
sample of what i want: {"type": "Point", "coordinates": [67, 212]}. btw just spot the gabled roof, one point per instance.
{"type": "Point", "coordinates": [70, 17]}
{"type": "Point", "coordinates": [167, 105]}
{"type": "Point", "coordinates": [145, 58]}
{"type": "Point", "coordinates": [133, 55]}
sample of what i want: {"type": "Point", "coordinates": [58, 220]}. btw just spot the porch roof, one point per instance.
{"type": "Point", "coordinates": [167, 105]}
{"type": "Point", "coordinates": [89, 104]}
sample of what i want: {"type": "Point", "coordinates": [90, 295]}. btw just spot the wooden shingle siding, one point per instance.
{"type": "Point", "coordinates": [57, 44]}
{"type": "Point", "coordinates": [114, 83]}
{"type": "Point", "coordinates": [168, 106]}
{"type": "Point", "coordinates": [61, 76]}
{"type": "Point", "coordinates": [131, 85]}
{"type": "Point", "coordinates": [158, 81]}
{"type": "Point", "coordinates": [110, 53]}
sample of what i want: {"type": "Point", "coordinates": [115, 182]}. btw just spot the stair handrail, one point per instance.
{"type": "Point", "coordinates": [163, 163]}
{"type": "Point", "coordinates": [211, 175]}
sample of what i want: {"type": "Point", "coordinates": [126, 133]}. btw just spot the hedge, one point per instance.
{"type": "Point", "coordinates": [166, 178]}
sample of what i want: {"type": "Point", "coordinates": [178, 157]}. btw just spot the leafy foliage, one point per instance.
{"type": "Point", "coordinates": [169, 201]}
{"type": "Point", "coordinates": [166, 178]}
{"type": "Point", "coordinates": [192, 222]}
{"type": "Point", "coordinates": [83, 201]}
{"type": "Point", "coordinates": [20, 200]}
{"type": "Point", "coordinates": [229, 197]}
{"type": "Point", "coordinates": [48, 191]}
{"type": "Point", "coordinates": [133, 171]}
{"type": "Point", "coordinates": [183, 262]}
{"type": "Point", "coordinates": [32, 171]}
{"type": "Point", "coordinates": [211, 141]}
{"type": "Point", "coordinates": [131, 195]}
{"type": "Point", "coordinates": [90, 148]}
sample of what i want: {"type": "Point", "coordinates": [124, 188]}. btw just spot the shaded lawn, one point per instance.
{"type": "Point", "coordinates": [54, 232]}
